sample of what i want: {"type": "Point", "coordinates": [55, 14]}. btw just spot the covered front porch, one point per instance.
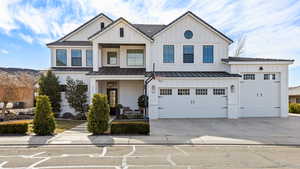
{"type": "Point", "coordinates": [120, 89]}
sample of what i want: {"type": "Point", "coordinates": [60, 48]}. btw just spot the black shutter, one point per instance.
{"type": "Point", "coordinates": [121, 32]}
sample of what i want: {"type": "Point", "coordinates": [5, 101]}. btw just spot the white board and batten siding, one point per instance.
{"type": "Point", "coordinates": [174, 35]}
{"type": "Point", "coordinates": [89, 30]}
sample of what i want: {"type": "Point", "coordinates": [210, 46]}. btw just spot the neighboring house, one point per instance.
{"type": "Point", "coordinates": [193, 75]}
{"type": "Point", "coordinates": [294, 94]}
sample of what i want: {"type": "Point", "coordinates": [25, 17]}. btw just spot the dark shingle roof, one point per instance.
{"type": "Point", "coordinates": [245, 59]}
{"type": "Point", "coordinates": [195, 74]}
{"type": "Point", "coordinates": [118, 71]}
{"type": "Point", "coordinates": [71, 43]}
{"type": "Point", "coordinates": [84, 69]}
{"type": "Point", "coordinates": [149, 29]}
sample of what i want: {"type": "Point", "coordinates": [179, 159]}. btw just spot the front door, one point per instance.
{"type": "Point", "coordinates": [112, 95]}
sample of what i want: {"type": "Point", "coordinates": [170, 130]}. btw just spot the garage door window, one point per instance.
{"type": "Point", "coordinates": [201, 91]}
{"type": "Point", "coordinates": [269, 77]}
{"type": "Point", "coordinates": [219, 91]}
{"type": "Point", "coordinates": [165, 92]}
{"type": "Point", "coordinates": [183, 91]}
{"type": "Point", "coordinates": [249, 76]}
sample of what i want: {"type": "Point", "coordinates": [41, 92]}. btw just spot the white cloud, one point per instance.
{"type": "Point", "coordinates": [269, 25]}
{"type": "Point", "coordinates": [26, 38]}
{"type": "Point", "coordinates": [6, 16]}
{"type": "Point", "coordinates": [3, 51]}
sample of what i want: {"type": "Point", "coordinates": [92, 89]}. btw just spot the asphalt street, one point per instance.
{"type": "Point", "coordinates": [150, 157]}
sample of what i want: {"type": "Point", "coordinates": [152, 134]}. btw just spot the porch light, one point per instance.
{"type": "Point", "coordinates": [232, 88]}
{"type": "Point", "coordinates": [153, 89]}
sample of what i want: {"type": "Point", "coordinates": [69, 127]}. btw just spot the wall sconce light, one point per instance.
{"type": "Point", "coordinates": [232, 87]}
{"type": "Point", "coordinates": [261, 68]}
{"type": "Point", "coordinates": [153, 89]}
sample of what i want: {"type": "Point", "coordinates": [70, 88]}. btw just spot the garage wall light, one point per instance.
{"type": "Point", "coordinates": [232, 88]}
{"type": "Point", "coordinates": [261, 68]}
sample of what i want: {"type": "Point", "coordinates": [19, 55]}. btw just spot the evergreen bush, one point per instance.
{"type": "Point", "coordinates": [98, 115]}
{"type": "Point", "coordinates": [44, 121]}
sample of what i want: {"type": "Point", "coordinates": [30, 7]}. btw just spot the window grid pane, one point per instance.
{"type": "Point", "coordinates": [135, 57]}
{"type": "Point", "coordinates": [188, 54]}
{"type": "Point", "coordinates": [61, 57]}
{"type": "Point", "coordinates": [201, 91]}
{"type": "Point", "coordinates": [219, 91]}
{"type": "Point", "coordinates": [168, 54]}
{"type": "Point", "coordinates": [183, 91]}
{"type": "Point", "coordinates": [249, 76]}
{"type": "Point", "coordinates": [165, 91]}
{"type": "Point", "coordinates": [89, 58]}
{"type": "Point", "coordinates": [208, 54]}
{"type": "Point", "coordinates": [76, 57]}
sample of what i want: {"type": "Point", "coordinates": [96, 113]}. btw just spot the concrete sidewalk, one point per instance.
{"type": "Point", "coordinates": [80, 136]}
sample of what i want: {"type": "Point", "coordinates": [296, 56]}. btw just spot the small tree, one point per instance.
{"type": "Point", "coordinates": [49, 86]}
{"type": "Point", "coordinates": [43, 122]}
{"type": "Point", "coordinates": [76, 94]}
{"type": "Point", "coordinates": [98, 115]}
{"type": "Point", "coordinates": [240, 48]}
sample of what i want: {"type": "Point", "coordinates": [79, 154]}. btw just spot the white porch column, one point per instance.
{"type": "Point", "coordinates": [93, 88]}
{"type": "Point", "coordinates": [149, 60]}
{"type": "Point", "coordinates": [96, 56]}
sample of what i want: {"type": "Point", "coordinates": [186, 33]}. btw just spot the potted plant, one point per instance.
{"type": "Point", "coordinates": [143, 103]}
{"type": "Point", "coordinates": [119, 109]}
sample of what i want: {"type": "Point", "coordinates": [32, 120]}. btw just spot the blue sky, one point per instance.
{"type": "Point", "coordinates": [271, 28]}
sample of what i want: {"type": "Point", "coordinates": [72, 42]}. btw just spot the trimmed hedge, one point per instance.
{"type": "Point", "coordinates": [294, 108]}
{"type": "Point", "coordinates": [130, 127]}
{"type": "Point", "coordinates": [13, 127]}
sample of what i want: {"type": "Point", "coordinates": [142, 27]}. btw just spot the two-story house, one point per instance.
{"type": "Point", "coordinates": [184, 66]}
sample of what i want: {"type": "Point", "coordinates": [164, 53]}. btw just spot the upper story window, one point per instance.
{"type": "Point", "coordinates": [61, 57]}
{"type": "Point", "coordinates": [188, 34]}
{"type": "Point", "coordinates": [249, 76]}
{"type": "Point", "coordinates": [208, 54]}
{"type": "Point", "coordinates": [102, 25]}
{"type": "Point", "coordinates": [112, 58]}
{"type": "Point", "coordinates": [135, 57]}
{"type": "Point", "coordinates": [168, 54]}
{"type": "Point", "coordinates": [188, 54]}
{"type": "Point", "coordinates": [121, 32]}
{"type": "Point", "coordinates": [76, 56]}
{"type": "Point", "coordinates": [89, 58]}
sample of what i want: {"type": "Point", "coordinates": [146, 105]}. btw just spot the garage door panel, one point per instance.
{"type": "Point", "coordinates": [260, 97]}
{"type": "Point", "coordinates": [192, 105]}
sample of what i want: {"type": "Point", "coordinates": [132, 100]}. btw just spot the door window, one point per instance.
{"type": "Point", "coordinates": [183, 91]}
{"type": "Point", "coordinates": [201, 91]}
{"type": "Point", "coordinates": [165, 91]}
{"type": "Point", "coordinates": [219, 91]}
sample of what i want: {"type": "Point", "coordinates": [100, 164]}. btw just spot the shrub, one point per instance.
{"type": "Point", "coordinates": [294, 108]}
{"type": "Point", "coordinates": [14, 127]}
{"type": "Point", "coordinates": [98, 115]}
{"type": "Point", "coordinates": [43, 122]}
{"type": "Point", "coordinates": [130, 127]}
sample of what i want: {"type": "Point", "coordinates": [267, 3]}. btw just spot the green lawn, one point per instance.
{"type": "Point", "coordinates": [62, 125]}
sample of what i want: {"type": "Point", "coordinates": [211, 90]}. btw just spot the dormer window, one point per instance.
{"type": "Point", "coordinates": [121, 32]}
{"type": "Point", "coordinates": [102, 25]}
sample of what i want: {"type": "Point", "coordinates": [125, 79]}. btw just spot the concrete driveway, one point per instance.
{"type": "Point", "coordinates": [260, 130]}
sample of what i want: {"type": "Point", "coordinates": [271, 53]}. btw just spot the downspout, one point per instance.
{"type": "Point", "coordinates": [147, 81]}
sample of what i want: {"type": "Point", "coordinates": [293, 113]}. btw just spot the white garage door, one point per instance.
{"type": "Point", "coordinates": [260, 95]}
{"type": "Point", "coordinates": [192, 102]}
